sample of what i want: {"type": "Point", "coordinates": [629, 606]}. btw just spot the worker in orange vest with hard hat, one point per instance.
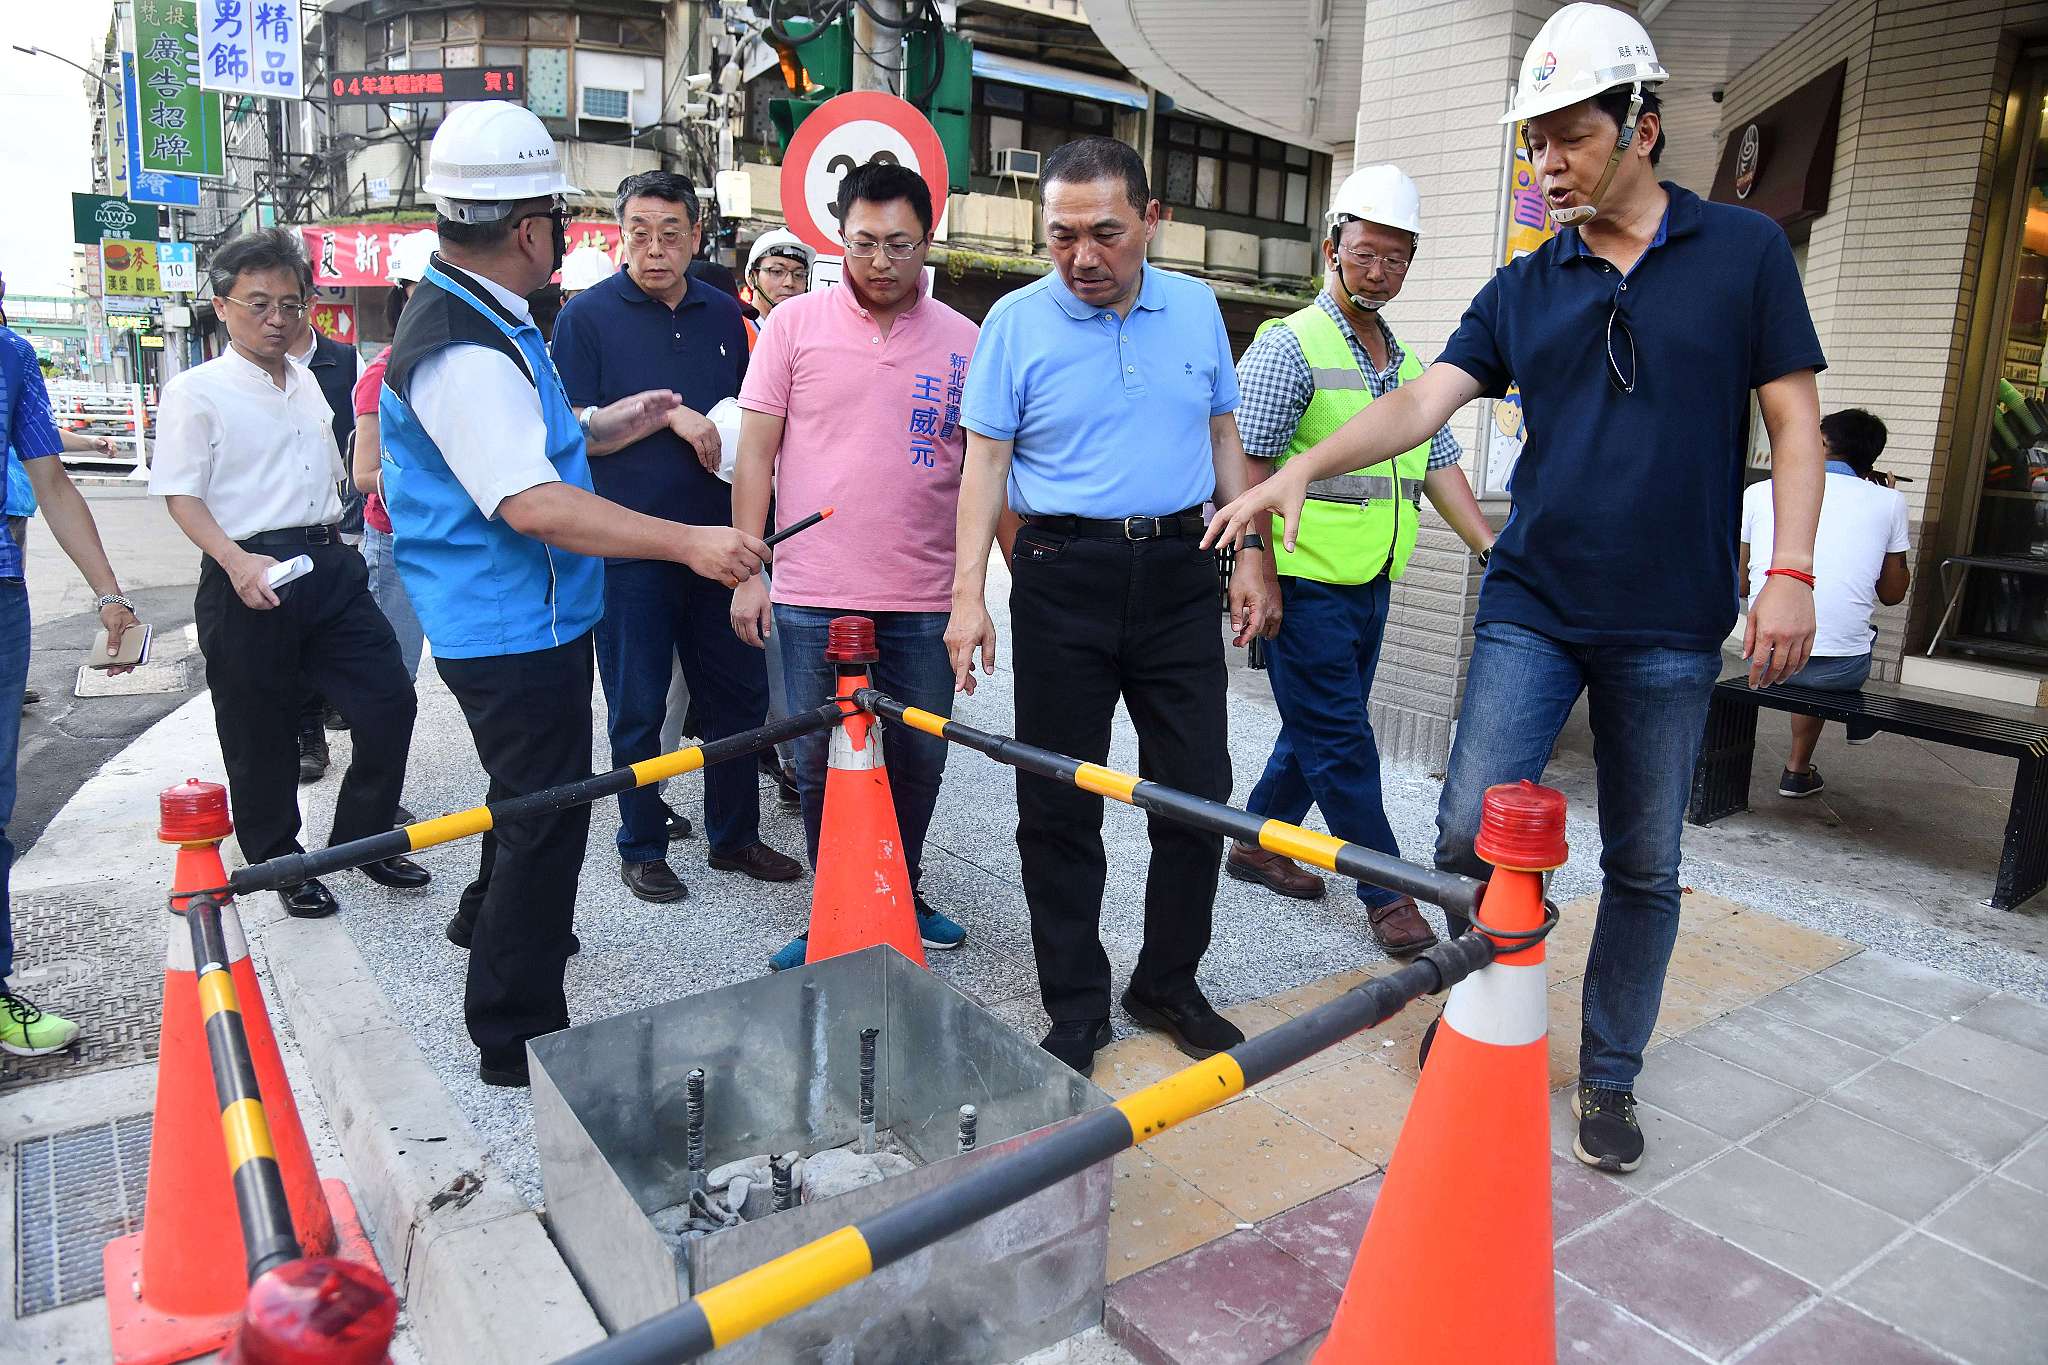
{"type": "Point", "coordinates": [1637, 335]}
{"type": "Point", "coordinates": [1304, 377]}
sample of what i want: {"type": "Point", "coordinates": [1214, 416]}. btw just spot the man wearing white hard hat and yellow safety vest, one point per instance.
{"type": "Point", "coordinates": [501, 544]}
{"type": "Point", "coordinates": [585, 268]}
{"type": "Point", "coordinates": [1637, 335]}
{"type": "Point", "coordinates": [1305, 376]}
{"type": "Point", "coordinates": [778, 268]}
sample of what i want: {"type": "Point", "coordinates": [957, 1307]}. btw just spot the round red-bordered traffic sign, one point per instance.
{"type": "Point", "coordinates": [847, 131]}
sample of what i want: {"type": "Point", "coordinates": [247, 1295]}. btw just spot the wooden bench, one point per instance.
{"type": "Point", "coordinates": [1720, 779]}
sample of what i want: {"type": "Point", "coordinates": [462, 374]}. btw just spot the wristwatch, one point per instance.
{"type": "Point", "coordinates": [1252, 541]}
{"type": "Point", "coordinates": [114, 599]}
{"type": "Point", "coordinates": [1485, 556]}
{"type": "Point", "coordinates": [583, 418]}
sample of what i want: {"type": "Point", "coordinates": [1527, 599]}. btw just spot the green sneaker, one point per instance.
{"type": "Point", "coordinates": [27, 1031]}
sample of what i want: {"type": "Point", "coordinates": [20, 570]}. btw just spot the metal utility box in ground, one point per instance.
{"type": "Point", "coordinates": [782, 1057]}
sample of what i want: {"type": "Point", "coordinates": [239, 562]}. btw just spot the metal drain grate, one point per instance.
{"type": "Point", "coordinates": [74, 1192]}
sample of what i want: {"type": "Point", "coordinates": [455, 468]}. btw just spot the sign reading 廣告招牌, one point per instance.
{"type": "Point", "coordinates": [178, 124]}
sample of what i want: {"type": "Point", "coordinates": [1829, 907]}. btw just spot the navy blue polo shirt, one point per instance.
{"type": "Point", "coordinates": [1628, 506]}
{"type": "Point", "coordinates": [613, 341]}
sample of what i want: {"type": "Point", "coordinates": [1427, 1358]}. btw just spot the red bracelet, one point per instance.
{"type": "Point", "coordinates": [1800, 574]}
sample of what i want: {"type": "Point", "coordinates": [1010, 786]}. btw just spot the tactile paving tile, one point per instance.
{"type": "Point", "coordinates": [98, 960]}
{"type": "Point", "coordinates": [74, 1192]}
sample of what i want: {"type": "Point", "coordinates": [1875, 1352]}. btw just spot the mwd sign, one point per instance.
{"type": "Point", "coordinates": [96, 217]}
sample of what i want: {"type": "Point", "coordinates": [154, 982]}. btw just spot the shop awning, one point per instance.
{"type": "Point", "coordinates": [1782, 162]}
{"type": "Point", "coordinates": [993, 66]}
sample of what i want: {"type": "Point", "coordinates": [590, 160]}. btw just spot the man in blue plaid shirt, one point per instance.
{"type": "Point", "coordinates": [1302, 378]}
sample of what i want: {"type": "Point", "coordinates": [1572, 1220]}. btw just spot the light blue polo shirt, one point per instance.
{"type": "Point", "coordinates": [1109, 416]}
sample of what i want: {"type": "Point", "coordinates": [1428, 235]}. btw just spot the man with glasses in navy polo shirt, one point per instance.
{"type": "Point", "coordinates": [1637, 335]}
{"type": "Point", "coordinates": [1102, 396]}
{"type": "Point", "coordinates": [651, 326]}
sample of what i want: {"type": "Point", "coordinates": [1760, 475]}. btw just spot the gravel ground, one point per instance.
{"type": "Point", "coordinates": [636, 955]}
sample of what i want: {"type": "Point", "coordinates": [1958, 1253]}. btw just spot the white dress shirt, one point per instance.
{"type": "Point", "coordinates": [261, 458]}
{"type": "Point", "coordinates": [484, 415]}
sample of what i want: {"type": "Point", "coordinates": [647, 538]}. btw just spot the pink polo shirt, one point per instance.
{"type": "Point", "coordinates": [871, 429]}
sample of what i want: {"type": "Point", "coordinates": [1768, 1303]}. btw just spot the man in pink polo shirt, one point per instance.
{"type": "Point", "coordinates": [852, 401]}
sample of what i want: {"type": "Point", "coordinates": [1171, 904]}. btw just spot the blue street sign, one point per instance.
{"type": "Point", "coordinates": [148, 187]}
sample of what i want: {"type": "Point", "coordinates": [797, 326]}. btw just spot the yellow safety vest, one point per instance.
{"type": "Point", "coordinates": [1354, 524]}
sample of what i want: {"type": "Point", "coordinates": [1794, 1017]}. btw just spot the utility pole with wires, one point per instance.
{"type": "Point", "coordinates": [878, 45]}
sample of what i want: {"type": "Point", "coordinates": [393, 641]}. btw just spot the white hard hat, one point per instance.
{"type": "Point", "coordinates": [1377, 194]}
{"type": "Point", "coordinates": [1583, 50]}
{"type": "Point", "coordinates": [782, 242]}
{"type": "Point", "coordinates": [411, 254]}
{"type": "Point", "coordinates": [586, 266]}
{"type": "Point", "coordinates": [488, 156]}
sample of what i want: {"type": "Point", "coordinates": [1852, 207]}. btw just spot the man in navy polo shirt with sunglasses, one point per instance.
{"type": "Point", "coordinates": [654, 326]}
{"type": "Point", "coordinates": [1637, 335]}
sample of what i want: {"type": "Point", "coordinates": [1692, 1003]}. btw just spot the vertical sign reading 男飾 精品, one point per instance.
{"type": "Point", "coordinates": [251, 47]}
{"type": "Point", "coordinates": [178, 124]}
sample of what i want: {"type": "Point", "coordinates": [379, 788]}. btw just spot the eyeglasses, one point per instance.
{"type": "Point", "coordinates": [1366, 260]}
{"type": "Point", "coordinates": [669, 238]}
{"type": "Point", "coordinates": [1623, 381]}
{"type": "Point", "coordinates": [865, 248]}
{"type": "Point", "coordinates": [274, 307]}
{"type": "Point", "coordinates": [782, 274]}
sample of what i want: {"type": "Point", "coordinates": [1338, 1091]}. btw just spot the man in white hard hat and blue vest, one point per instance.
{"type": "Point", "coordinates": [501, 544]}
{"type": "Point", "coordinates": [1304, 377]}
{"type": "Point", "coordinates": [778, 269]}
{"type": "Point", "coordinates": [1637, 335]}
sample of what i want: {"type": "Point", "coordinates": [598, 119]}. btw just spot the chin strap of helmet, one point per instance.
{"type": "Point", "coordinates": [1584, 213]}
{"type": "Point", "coordinates": [1358, 301]}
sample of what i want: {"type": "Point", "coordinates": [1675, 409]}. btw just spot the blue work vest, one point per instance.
{"type": "Point", "coordinates": [480, 588]}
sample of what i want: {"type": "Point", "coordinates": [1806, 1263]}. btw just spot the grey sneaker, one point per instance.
{"type": "Point", "coordinates": [1609, 1136]}
{"type": "Point", "coordinates": [1800, 785]}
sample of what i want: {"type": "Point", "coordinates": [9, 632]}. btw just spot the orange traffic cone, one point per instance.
{"type": "Point", "coordinates": [862, 894]}
{"type": "Point", "coordinates": [176, 1289]}
{"type": "Point", "coordinates": [1465, 1207]}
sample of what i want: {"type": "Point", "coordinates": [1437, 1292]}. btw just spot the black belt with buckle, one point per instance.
{"type": "Point", "coordinates": [292, 536]}
{"type": "Point", "coordinates": [1187, 523]}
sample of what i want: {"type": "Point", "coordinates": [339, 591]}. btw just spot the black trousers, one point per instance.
{"type": "Point", "coordinates": [530, 717]}
{"type": "Point", "coordinates": [327, 635]}
{"type": "Point", "coordinates": [1092, 620]}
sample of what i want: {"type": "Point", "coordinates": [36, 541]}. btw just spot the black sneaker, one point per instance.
{"type": "Point", "coordinates": [1609, 1136]}
{"type": "Point", "coordinates": [1195, 1027]}
{"type": "Point", "coordinates": [1074, 1042]}
{"type": "Point", "coordinates": [1799, 785]}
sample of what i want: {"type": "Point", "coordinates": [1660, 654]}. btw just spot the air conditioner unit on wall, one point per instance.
{"type": "Point", "coordinates": [1017, 163]}
{"type": "Point", "coordinates": [604, 104]}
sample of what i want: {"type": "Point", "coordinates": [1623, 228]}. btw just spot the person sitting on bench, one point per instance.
{"type": "Point", "coordinates": [1859, 560]}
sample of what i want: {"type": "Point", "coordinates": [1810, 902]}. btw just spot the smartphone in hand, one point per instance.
{"type": "Point", "coordinates": [134, 649]}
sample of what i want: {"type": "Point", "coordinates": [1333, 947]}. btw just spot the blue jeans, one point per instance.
{"type": "Point", "coordinates": [391, 597]}
{"type": "Point", "coordinates": [914, 670]}
{"type": "Point", "coordinates": [1321, 666]}
{"type": "Point", "coordinates": [14, 645]}
{"type": "Point", "coordinates": [1834, 673]}
{"type": "Point", "coordinates": [657, 615]}
{"type": "Point", "coordinates": [1648, 708]}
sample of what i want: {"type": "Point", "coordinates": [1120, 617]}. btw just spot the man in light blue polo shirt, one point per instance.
{"type": "Point", "coordinates": [1102, 396]}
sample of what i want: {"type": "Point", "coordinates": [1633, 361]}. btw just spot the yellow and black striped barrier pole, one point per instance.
{"type": "Point", "coordinates": [724, 1313]}
{"type": "Point", "coordinates": [293, 868]}
{"type": "Point", "coordinates": [1454, 893]}
{"type": "Point", "coordinates": [260, 1200]}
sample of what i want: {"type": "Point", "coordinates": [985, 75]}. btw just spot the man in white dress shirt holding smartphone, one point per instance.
{"type": "Point", "coordinates": [246, 461]}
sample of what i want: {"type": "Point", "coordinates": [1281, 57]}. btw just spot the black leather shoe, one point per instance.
{"type": "Point", "coordinates": [654, 882]}
{"type": "Point", "coordinates": [786, 794]}
{"type": "Point", "coordinates": [459, 934]}
{"type": "Point", "coordinates": [400, 817]}
{"type": "Point", "coordinates": [400, 874]}
{"type": "Point", "coordinates": [1196, 1028]}
{"type": "Point", "coordinates": [679, 826]}
{"type": "Point", "coordinates": [309, 900]}
{"type": "Point", "coordinates": [511, 1077]}
{"type": "Point", "coordinates": [760, 862]}
{"type": "Point", "coordinates": [1074, 1042]}
{"type": "Point", "coordinates": [313, 756]}
{"type": "Point", "coordinates": [333, 720]}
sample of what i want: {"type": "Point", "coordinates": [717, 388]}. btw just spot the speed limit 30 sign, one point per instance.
{"type": "Point", "coordinates": [848, 131]}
